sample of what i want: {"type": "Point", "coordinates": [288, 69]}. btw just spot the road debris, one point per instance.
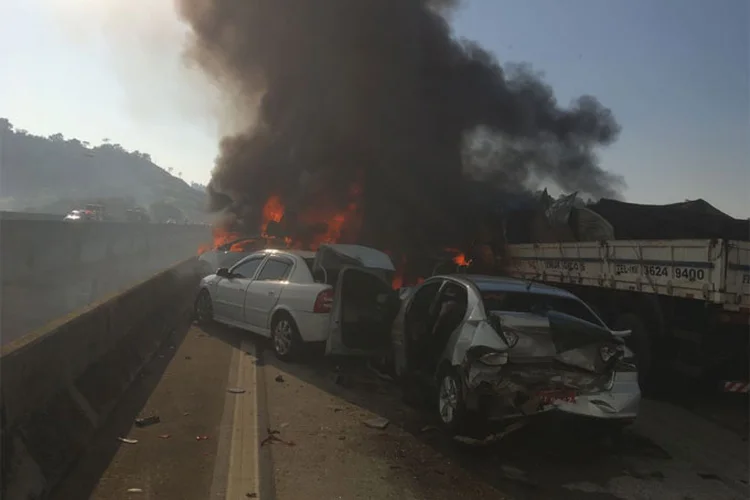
{"type": "Point", "coordinates": [284, 425]}
{"type": "Point", "coordinates": [377, 423]}
{"type": "Point", "coordinates": [428, 428]}
{"type": "Point", "coordinates": [236, 390]}
{"type": "Point", "coordinates": [135, 490]}
{"type": "Point", "coordinates": [127, 440]}
{"type": "Point", "coordinates": [272, 437]}
{"type": "Point", "coordinates": [165, 436]}
{"type": "Point", "coordinates": [201, 438]}
{"type": "Point", "coordinates": [251, 495]}
{"type": "Point", "coordinates": [279, 378]}
{"type": "Point", "coordinates": [146, 421]}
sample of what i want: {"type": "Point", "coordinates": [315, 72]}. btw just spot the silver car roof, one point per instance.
{"type": "Point", "coordinates": [506, 284]}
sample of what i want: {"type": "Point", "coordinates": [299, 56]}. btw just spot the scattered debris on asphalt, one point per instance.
{"type": "Point", "coordinates": [165, 436]}
{"type": "Point", "coordinates": [251, 495]}
{"type": "Point", "coordinates": [236, 390]}
{"type": "Point", "coordinates": [378, 372]}
{"type": "Point", "coordinates": [146, 421]}
{"type": "Point", "coordinates": [135, 490]}
{"type": "Point", "coordinates": [188, 357]}
{"type": "Point", "coordinates": [186, 414]}
{"type": "Point", "coordinates": [377, 423]}
{"type": "Point", "coordinates": [201, 438]}
{"type": "Point", "coordinates": [336, 409]}
{"type": "Point", "coordinates": [279, 378]}
{"type": "Point", "coordinates": [709, 475]}
{"type": "Point", "coordinates": [272, 437]}
{"type": "Point", "coordinates": [284, 425]}
{"type": "Point", "coordinates": [127, 440]}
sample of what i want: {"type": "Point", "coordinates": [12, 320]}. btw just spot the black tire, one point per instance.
{"type": "Point", "coordinates": [285, 337]}
{"type": "Point", "coordinates": [450, 403]}
{"type": "Point", "coordinates": [204, 308]}
{"type": "Point", "coordinates": [640, 343]}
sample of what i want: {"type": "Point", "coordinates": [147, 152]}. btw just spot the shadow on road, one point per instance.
{"type": "Point", "coordinates": [86, 472]}
{"type": "Point", "coordinates": [545, 459]}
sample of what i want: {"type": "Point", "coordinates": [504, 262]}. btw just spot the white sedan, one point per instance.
{"type": "Point", "coordinates": [340, 295]}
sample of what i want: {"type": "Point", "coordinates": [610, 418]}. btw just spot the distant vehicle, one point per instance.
{"type": "Point", "coordinates": [77, 216]}
{"type": "Point", "coordinates": [501, 348]}
{"type": "Point", "coordinates": [292, 296]}
{"type": "Point", "coordinates": [137, 215]}
{"type": "Point", "coordinates": [95, 211]}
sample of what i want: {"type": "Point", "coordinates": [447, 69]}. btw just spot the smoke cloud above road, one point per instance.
{"type": "Point", "coordinates": [379, 94]}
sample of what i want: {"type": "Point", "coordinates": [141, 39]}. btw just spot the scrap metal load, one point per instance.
{"type": "Point", "coordinates": [568, 219]}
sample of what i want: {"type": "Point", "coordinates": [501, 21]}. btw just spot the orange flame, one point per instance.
{"type": "Point", "coordinates": [273, 211]}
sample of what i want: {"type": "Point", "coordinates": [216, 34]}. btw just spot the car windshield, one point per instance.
{"type": "Point", "coordinates": [537, 303]}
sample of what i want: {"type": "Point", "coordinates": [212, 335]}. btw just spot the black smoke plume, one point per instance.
{"type": "Point", "coordinates": [382, 90]}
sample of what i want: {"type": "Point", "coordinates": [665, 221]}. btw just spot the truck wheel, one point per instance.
{"type": "Point", "coordinates": [640, 343]}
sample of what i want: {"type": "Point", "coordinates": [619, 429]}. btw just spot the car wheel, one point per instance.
{"type": "Point", "coordinates": [204, 308]}
{"type": "Point", "coordinates": [451, 406]}
{"type": "Point", "coordinates": [287, 342]}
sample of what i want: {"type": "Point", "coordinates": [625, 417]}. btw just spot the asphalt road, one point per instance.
{"type": "Point", "coordinates": [322, 447]}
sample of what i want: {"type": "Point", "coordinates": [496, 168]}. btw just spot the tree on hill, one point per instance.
{"type": "Point", "coordinates": [45, 172]}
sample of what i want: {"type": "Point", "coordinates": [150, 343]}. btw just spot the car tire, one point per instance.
{"type": "Point", "coordinates": [451, 405]}
{"type": "Point", "coordinates": [285, 337]}
{"type": "Point", "coordinates": [640, 342]}
{"type": "Point", "coordinates": [204, 308]}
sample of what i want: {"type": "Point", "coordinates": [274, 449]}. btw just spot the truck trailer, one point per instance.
{"type": "Point", "coordinates": [687, 302]}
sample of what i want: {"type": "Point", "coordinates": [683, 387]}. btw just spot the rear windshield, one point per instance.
{"type": "Point", "coordinates": [537, 303]}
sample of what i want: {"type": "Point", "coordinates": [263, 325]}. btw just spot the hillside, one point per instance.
{"type": "Point", "coordinates": [54, 174]}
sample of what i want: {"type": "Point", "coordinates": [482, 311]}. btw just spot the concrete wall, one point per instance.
{"type": "Point", "coordinates": [60, 384]}
{"type": "Point", "coordinates": [51, 268]}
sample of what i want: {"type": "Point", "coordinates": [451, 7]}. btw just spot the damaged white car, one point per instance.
{"type": "Point", "coordinates": [340, 295]}
{"type": "Point", "coordinates": [501, 348]}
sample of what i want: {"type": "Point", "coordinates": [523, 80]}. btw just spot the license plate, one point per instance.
{"type": "Point", "coordinates": [550, 397]}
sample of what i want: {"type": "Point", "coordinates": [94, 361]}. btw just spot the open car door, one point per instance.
{"type": "Point", "coordinates": [364, 304]}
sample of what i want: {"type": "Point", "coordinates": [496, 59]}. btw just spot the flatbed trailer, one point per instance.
{"type": "Point", "coordinates": [687, 301]}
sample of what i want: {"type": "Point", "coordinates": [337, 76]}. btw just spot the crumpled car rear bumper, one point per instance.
{"type": "Point", "coordinates": [616, 397]}
{"type": "Point", "coordinates": [622, 401]}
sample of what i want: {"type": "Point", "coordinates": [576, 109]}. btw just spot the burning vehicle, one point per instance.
{"type": "Point", "coordinates": [501, 348]}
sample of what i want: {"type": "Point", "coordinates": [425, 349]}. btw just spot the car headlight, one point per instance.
{"type": "Point", "coordinates": [494, 358]}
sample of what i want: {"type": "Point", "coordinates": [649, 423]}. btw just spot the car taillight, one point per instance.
{"type": "Point", "coordinates": [324, 301]}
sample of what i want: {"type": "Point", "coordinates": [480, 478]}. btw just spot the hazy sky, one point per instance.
{"type": "Point", "coordinates": [674, 72]}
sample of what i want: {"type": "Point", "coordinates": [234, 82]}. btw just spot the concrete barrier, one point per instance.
{"type": "Point", "coordinates": [60, 384]}
{"type": "Point", "coordinates": [30, 248]}
{"type": "Point", "coordinates": [49, 268]}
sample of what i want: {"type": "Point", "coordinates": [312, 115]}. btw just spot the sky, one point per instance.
{"type": "Point", "coordinates": [676, 74]}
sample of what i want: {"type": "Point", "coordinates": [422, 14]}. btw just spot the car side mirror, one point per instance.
{"type": "Point", "coordinates": [223, 272]}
